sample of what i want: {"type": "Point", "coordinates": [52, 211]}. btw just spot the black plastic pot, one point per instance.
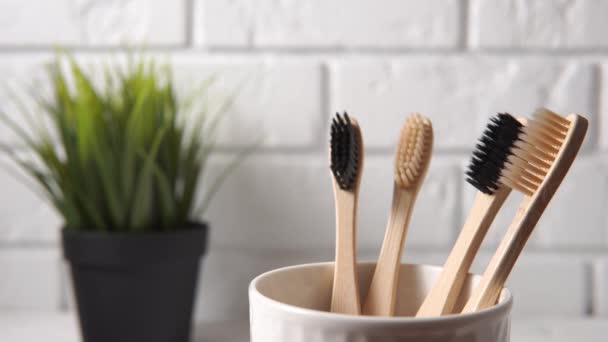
{"type": "Point", "coordinates": [135, 287]}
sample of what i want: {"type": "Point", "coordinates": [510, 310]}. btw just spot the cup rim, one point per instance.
{"type": "Point", "coordinates": [499, 309]}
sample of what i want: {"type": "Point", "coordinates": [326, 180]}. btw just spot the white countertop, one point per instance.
{"type": "Point", "coordinates": [52, 327]}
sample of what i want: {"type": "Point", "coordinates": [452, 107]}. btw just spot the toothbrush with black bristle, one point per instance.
{"type": "Point", "coordinates": [346, 164]}
{"type": "Point", "coordinates": [489, 158]}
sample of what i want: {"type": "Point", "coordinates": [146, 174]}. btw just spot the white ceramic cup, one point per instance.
{"type": "Point", "coordinates": [291, 305]}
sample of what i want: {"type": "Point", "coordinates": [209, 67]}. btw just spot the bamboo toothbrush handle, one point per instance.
{"type": "Point", "coordinates": [530, 210]}
{"type": "Point", "coordinates": [345, 292]}
{"type": "Point", "coordinates": [382, 293]}
{"type": "Point", "coordinates": [442, 297]}
{"type": "Point", "coordinates": [497, 271]}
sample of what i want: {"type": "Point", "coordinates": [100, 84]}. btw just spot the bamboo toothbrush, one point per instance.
{"type": "Point", "coordinates": [346, 164]}
{"type": "Point", "coordinates": [488, 159]}
{"type": "Point", "coordinates": [538, 164]}
{"type": "Point", "coordinates": [411, 163]}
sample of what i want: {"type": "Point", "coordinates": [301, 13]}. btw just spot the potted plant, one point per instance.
{"type": "Point", "coordinates": [122, 163]}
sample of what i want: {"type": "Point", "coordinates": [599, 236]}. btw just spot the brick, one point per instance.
{"type": "Point", "coordinates": [577, 215]}
{"type": "Point", "coordinates": [545, 284]}
{"type": "Point", "coordinates": [92, 22]}
{"type": "Point", "coordinates": [30, 279]}
{"type": "Point", "coordinates": [25, 216]}
{"type": "Point", "coordinates": [432, 222]}
{"type": "Point", "coordinates": [275, 201]}
{"type": "Point", "coordinates": [569, 221]}
{"type": "Point", "coordinates": [298, 210]}
{"type": "Point", "coordinates": [458, 93]}
{"type": "Point", "coordinates": [223, 23]}
{"type": "Point", "coordinates": [386, 23]}
{"type": "Point", "coordinates": [226, 275]}
{"type": "Point", "coordinates": [278, 102]}
{"type": "Point", "coordinates": [19, 72]}
{"type": "Point", "coordinates": [578, 24]}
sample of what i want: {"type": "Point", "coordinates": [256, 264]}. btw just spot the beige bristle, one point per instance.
{"type": "Point", "coordinates": [533, 155]}
{"type": "Point", "coordinates": [413, 150]}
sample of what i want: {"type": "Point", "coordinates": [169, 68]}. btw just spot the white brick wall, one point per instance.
{"type": "Point", "coordinates": [302, 24]}
{"type": "Point", "coordinates": [457, 93]}
{"type": "Point", "coordinates": [280, 97]}
{"type": "Point", "coordinates": [295, 64]}
{"type": "Point", "coordinates": [31, 23]}
{"type": "Point", "coordinates": [561, 24]}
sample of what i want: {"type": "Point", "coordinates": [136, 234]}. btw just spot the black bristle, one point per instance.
{"type": "Point", "coordinates": [344, 151]}
{"type": "Point", "coordinates": [492, 151]}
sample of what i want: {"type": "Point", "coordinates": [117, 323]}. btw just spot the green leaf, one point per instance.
{"type": "Point", "coordinates": [87, 109]}
{"type": "Point", "coordinates": [106, 170]}
{"type": "Point", "coordinates": [142, 202]}
{"type": "Point", "coordinates": [167, 201]}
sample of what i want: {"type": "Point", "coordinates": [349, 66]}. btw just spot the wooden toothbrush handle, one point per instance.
{"type": "Point", "coordinates": [382, 293]}
{"type": "Point", "coordinates": [529, 212]}
{"type": "Point", "coordinates": [345, 291]}
{"type": "Point", "coordinates": [486, 292]}
{"type": "Point", "coordinates": [442, 297]}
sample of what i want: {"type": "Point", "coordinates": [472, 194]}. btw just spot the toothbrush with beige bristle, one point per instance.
{"type": "Point", "coordinates": [539, 162]}
{"type": "Point", "coordinates": [412, 159]}
{"type": "Point", "coordinates": [346, 164]}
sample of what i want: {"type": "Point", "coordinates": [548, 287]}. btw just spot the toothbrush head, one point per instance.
{"type": "Point", "coordinates": [492, 152]}
{"type": "Point", "coordinates": [346, 148]}
{"type": "Point", "coordinates": [520, 156]}
{"type": "Point", "coordinates": [536, 150]}
{"type": "Point", "coordinates": [413, 151]}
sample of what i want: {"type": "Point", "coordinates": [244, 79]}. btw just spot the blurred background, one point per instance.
{"type": "Point", "coordinates": [296, 64]}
